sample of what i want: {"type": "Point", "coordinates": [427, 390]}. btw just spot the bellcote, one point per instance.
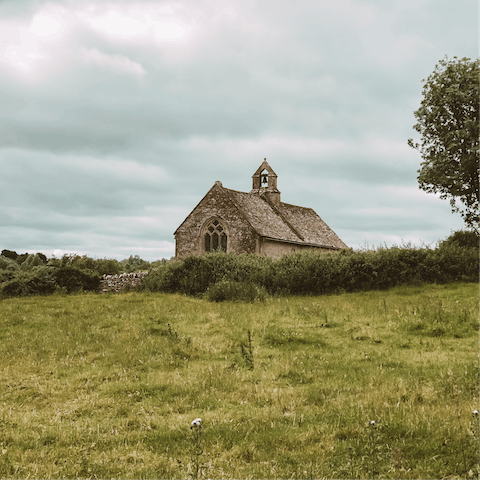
{"type": "Point", "coordinates": [265, 183]}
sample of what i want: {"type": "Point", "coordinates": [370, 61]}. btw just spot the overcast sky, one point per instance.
{"type": "Point", "coordinates": [117, 117]}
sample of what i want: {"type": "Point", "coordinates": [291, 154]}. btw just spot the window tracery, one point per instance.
{"type": "Point", "coordinates": [215, 237]}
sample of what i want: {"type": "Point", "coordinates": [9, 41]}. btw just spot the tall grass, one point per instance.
{"type": "Point", "coordinates": [107, 386]}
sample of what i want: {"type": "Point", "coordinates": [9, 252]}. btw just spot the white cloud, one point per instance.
{"type": "Point", "coordinates": [116, 62]}
{"type": "Point", "coordinates": [118, 24]}
{"type": "Point", "coordinates": [30, 45]}
{"type": "Point", "coordinates": [44, 26]}
{"type": "Point", "coordinates": [140, 21]}
{"type": "Point", "coordinates": [169, 30]}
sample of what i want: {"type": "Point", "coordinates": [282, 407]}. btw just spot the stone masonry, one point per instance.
{"type": "Point", "coordinates": [121, 282]}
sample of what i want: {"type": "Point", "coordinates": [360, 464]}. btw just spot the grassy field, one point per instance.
{"type": "Point", "coordinates": [377, 384]}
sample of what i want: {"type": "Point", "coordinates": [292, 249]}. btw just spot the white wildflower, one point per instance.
{"type": "Point", "coordinates": [475, 413]}
{"type": "Point", "coordinates": [197, 423]}
{"type": "Point", "coordinates": [372, 423]}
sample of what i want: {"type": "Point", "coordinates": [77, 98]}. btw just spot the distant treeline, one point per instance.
{"type": "Point", "coordinates": [228, 277]}
{"type": "Point", "coordinates": [35, 274]}
{"type": "Point", "coordinates": [221, 276]}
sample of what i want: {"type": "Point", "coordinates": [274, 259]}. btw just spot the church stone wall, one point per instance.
{"type": "Point", "coordinates": [217, 203]}
{"type": "Point", "coordinates": [278, 249]}
{"type": "Point", "coordinates": [275, 249]}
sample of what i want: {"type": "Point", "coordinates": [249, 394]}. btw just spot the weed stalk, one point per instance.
{"type": "Point", "coordinates": [372, 447]}
{"type": "Point", "coordinates": [247, 351]}
{"type": "Point", "coordinates": [475, 431]}
{"type": "Point", "coordinates": [197, 451]}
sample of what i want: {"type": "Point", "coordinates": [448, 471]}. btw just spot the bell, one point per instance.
{"type": "Point", "coordinates": [264, 179]}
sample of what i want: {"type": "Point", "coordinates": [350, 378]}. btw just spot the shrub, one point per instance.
{"type": "Point", "coordinates": [6, 275]}
{"type": "Point", "coordinates": [134, 264]}
{"type": "Point", "coordinates": [204, 270]}
{"type": "Point", "coordinates": [164, 278]}
{"type": "Point", "coordinates": [195, 274]}
{"type": "Point", "coordinates": [316, 273]}
{"type": "Point", "coordinates": [73, 260]}
{"type": "Point", "coordinates": [231, 290]}
{"type": "Point", "coordinates": [108, 266]}
{"type": "Point", "coordinates": [462, 238]}
{"type": "Point", "coordinates": [234, 277]}
{"type": "Point", "coordinates": [6, 263]}
{"type": "Point", "coordinates": [21, 258]}
{"type": "Point", "coordinates": [45, 280]}
{"type": "Point", "coordinates": [74, 279]}
{"type": "Point", "coordinates": [451, 262]}
{"type": "Point", "coordinates": [38, 281]}
{"type": "Point", "coordinates": [9, 254]}
{"type": "Point", "coordinates": [33, 260]}
{"type": "Point", "coordinates": [102, 266]}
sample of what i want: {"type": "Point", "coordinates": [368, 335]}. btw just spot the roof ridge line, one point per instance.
{"type": "Point", "coordinates": [297, 206]}
{"type": "Point", "coordinates": [236, 191]}
{"type": "Point", "coordinates": [279, 213]}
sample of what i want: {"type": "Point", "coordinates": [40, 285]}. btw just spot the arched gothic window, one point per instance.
{"type": "Point", "coordinates": [215, 237]}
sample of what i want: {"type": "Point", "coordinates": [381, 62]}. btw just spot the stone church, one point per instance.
{"type": "Point", "coordinates": [255, 222]}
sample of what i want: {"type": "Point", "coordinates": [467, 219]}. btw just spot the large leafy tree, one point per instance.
{"type": "Point", "coordinates": [447, 122]}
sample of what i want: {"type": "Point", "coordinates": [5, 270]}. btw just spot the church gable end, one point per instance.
{"type": "Point", "coordinates": [214, 224]}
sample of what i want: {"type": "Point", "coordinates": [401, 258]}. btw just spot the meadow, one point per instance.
{"type": "Point", "coordinates": [355, 385]}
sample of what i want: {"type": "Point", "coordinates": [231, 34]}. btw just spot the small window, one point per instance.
{"type": "Point", "coordinates": [264, 178]}
{"type": "Point", "coordinates": [215, 237]}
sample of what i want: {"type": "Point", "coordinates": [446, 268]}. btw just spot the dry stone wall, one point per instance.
{"type": "Point", "coordinates": [121, 282]}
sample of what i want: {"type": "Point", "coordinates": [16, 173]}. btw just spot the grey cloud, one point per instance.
{"type": "Point", "coordinates": [117, 138]}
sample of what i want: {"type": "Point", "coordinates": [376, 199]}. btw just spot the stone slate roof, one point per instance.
{"type": "Point", "coordinates": [310, 226]}
{"type": "Point", "coordinates": [285, 222]}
